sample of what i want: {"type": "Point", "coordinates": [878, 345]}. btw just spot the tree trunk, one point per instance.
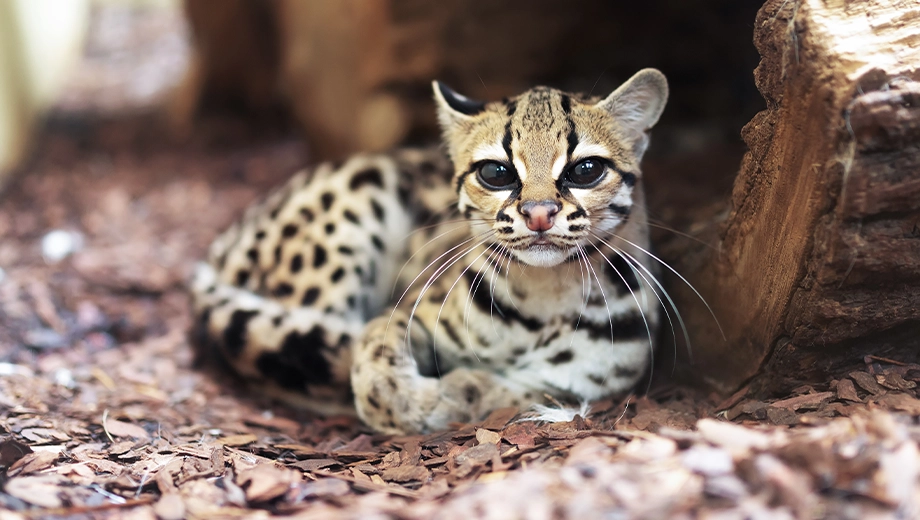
{"type": "Point", "coordinates": [817, 262]}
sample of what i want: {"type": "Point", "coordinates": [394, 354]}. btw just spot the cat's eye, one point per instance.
{"type": "Point", "coordinates": [586, 173]}
{"type": "Point", "coordinates": [496, 176]}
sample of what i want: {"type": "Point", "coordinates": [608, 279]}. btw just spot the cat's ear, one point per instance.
{"type": "Point", "coordinates": [637, 105]}
{"type": "Point", "coordinates": [454, 108]}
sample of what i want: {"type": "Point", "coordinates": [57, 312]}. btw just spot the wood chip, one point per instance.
{"type": "Point", "coordinates": [238, 440]}
{"type": "Point", "coordinates": [406, 474]}
{"type": "Point", "coordinates": [866, 382]}
{"type": "Point", "coordinates": [487, 436]}
{"type": "Point", "coordinates": [498, 419]}
{"type": "Point", "coordinates": [804, 401]}
{"type": "Point", "coordinates": [125, 429]}
{"type": "Point", "coordinates": [847, 391]}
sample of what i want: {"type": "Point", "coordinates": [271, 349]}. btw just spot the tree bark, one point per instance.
{"type": "Point", "coordinates": [817, 261]}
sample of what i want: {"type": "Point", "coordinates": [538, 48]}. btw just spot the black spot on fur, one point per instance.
{"type": "Point", "coordinates": [330, 228]}
{"type": "Point", "coordinates": [345, 250]}
{"type": "Point", "coordinates": [506, 230]}
{"type": "Point", "coordinates": [351, 302]}
{"type": "Point", "coordinates": [283, 289]}
{"type": "Point", "coordinates": [298, 362]}
{"type": "Point", "coordinates": [576, 228]}
{"type": "Point", "coordinates": [235, 333]}
{"type": "Point", "coordinates": [364, 177]}
{"type": "Point", "coordinates": [310, 296]}
{"type": "Point", "coordinates": [618, 209]}
{"type": "Point", "coordinates": [486, 304]}
{"type": "Point", "coordinates": [391, 382]}
{"type": "Point", "coordinates": [276, 321]}
{"type": "Point", "coordinates": [273, 214]}
{"type": "Point", "coordinates": [337, 274]}
{"type": "Point", "coordinates": [260, 235]}
{"type": "Point", "coordinates": [289, 230]}
{"type": "Point", "coordinates": [562, 357]}
{"type": "Point", "coordinates": [242, 276]}
{"type": "Point", "coordinates": [471, 394]}
{"type": "Point", "coordinates": [596, 379]}
{"type": "Point", "coordinates": [578, 213]}
{"type": "Point", "coordinates": [378, 210]}
{"type": "Point", "coordinates": [277, 254]}
{"type": "Point", "coordinates": [625, 372]}
{"type": "Point", "coordinates": [296, 263]}
{"type": "Point", "coordinates": [378, 243]}
{"type": "Point", "coordinates": [253, 255]}
{"type": "Point", "coordinates": [628, 327]}
{"type": "Point", "coordinates": [374, 403]}
{"type": "Point", "coordinates": [351, 217]}
{"type": "Point", "coordinates": [307, 214]}
{"type": "Point", "coordinates": [326, 200]}
{"type": "Point", "coordinates": [629, 179]}
{"type": "Point", "coordinates": [621, 275]}
{"type": "Point", "coordinates": [319, 256]}
{"type": "Point", "coordinates": [501, 216]}
{"type": "Point", "coordinates": [452, 333]}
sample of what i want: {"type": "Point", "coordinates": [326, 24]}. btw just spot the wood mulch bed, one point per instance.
{"type": "Point", "coordinates": [103, 412]}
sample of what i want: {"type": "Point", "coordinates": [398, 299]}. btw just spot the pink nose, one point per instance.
{"type": "Point", "coordinates": [539, 215]}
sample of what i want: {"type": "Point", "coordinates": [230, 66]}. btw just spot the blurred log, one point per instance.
{"type": "Point", "coordinates": [356, 74]}
{"type": "Point", "coordinates": [818, 259]}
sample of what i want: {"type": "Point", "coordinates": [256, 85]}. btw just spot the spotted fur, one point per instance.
{"type": "Point", "coordinates": [429, 288]}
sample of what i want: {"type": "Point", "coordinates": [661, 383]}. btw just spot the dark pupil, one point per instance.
{"type": "Point", "coordinates": [586, 172]}
{"type": "Point", "coordinates": [495, 175]}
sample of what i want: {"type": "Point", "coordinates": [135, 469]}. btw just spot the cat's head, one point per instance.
{"type": "Point", "coordinates": [546, 172]}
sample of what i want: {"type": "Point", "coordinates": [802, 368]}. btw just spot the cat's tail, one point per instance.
{"type": "Point", "coordinates": [298, 354]}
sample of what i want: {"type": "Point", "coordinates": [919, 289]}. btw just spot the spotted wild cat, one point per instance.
{"type": "Point", "coordinates": [431, 288]}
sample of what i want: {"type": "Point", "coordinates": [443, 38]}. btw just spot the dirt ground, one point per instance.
{"type": "Point", "coordinates": [104, 413]}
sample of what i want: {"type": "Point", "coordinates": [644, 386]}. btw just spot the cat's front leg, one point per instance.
{"type": "Point", "coordinates": [393, 396]}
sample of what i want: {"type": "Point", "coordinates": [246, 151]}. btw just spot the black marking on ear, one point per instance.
{"type": "Point", "coordinates": [628, 178]}
{"type": "Point", "coordinates": [235, 333]}
{"type": "Point", "coordinates": [459, 102]}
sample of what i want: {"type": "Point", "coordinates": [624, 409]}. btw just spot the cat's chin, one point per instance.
{"type": "Point", "coordinates": [540, 255]}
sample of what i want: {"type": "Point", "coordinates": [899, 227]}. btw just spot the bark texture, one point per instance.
{"type": "Point", "coordinates": [817, 261]}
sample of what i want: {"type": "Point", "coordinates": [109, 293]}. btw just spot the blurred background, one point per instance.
{"type": "Point", "coordinates": [351, 75]}
{"type": "Point", "coordinates": [133, 131]}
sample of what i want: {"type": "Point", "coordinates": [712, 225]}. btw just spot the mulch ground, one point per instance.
{"type": "Point", "coordinates": [104, 413]}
